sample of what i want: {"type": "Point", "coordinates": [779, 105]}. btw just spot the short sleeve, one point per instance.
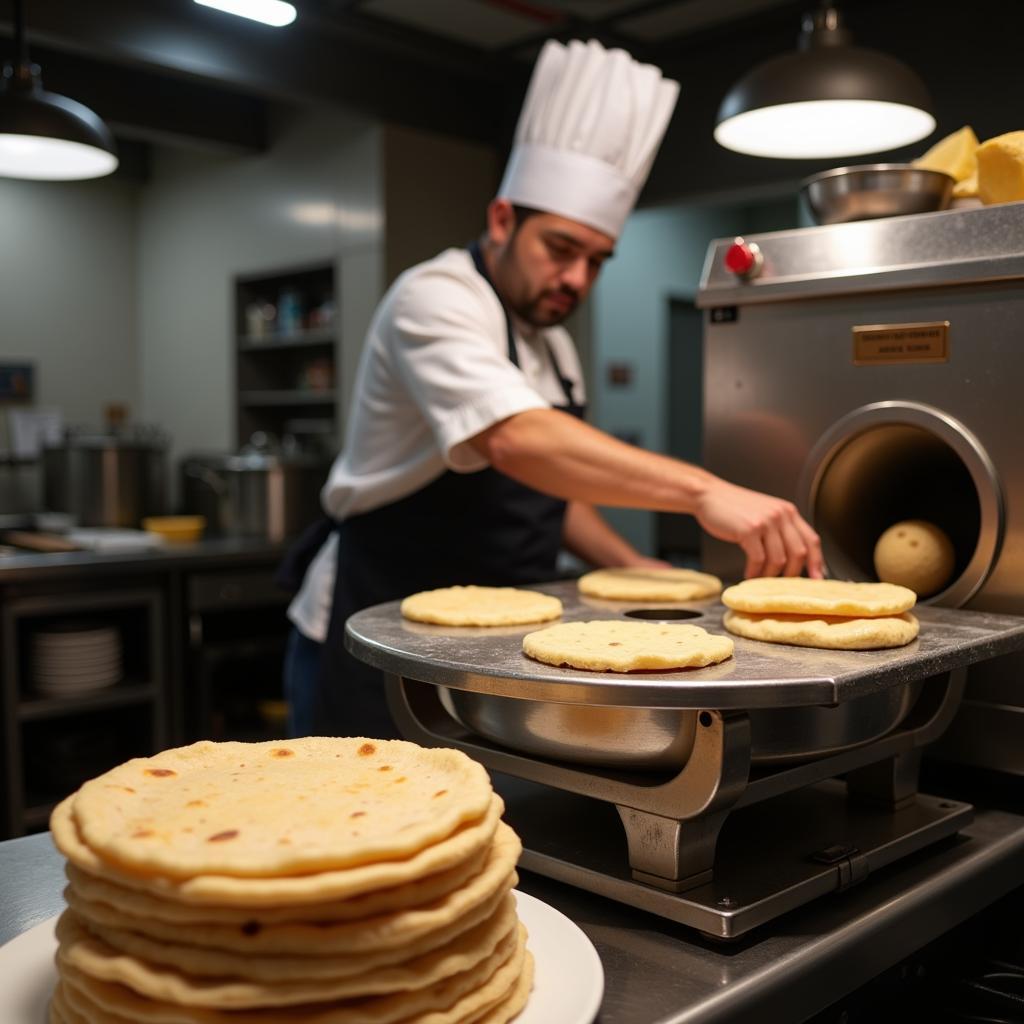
{"type": "Point", "coordinates": [448, 344]}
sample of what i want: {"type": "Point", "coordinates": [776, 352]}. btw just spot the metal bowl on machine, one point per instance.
{"type": "Point", "coordinates": [658, 738]}
{"type": "Point", "coordinates": [869, 191]}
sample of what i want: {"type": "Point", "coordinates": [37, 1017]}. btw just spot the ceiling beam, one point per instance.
{"type": "Point", "coordinates": [143, 105]}
{"type": "Point", "coordinates": [314, 59]}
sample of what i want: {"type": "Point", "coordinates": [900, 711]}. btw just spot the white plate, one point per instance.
{"type": "Point", "coordinates": [569, 980]}
{"type": "Point", "coordinates": [567, 987]}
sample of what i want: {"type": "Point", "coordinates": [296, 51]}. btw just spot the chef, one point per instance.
{"type": "Point", "coordinates": [467, 459]}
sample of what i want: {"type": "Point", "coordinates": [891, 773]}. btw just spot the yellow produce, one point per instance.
{"type": "Point", "coordinates": [1001, 168]}
{"type": "Point", "coordinates": [966, 189]}
{"type": "Point", "coordinates": [954, 154]}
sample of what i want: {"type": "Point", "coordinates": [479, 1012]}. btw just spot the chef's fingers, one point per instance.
{"type": "Point", "coordinates": [754, 550]}
{"type": "Point", "coordinates": [774, 546]}
{"type": "Point", "coordinates": [815, 561]}
{"type": "Point", "coordinates": [797, 549]}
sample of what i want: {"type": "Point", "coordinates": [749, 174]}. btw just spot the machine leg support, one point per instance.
{"type": "Point", "coordinates": [888, 783]}
{"type": "Point", "coordinates": [669, 854]}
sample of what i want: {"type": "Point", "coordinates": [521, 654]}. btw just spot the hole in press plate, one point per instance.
{"type": "Point", "coordinates": [663, 614]}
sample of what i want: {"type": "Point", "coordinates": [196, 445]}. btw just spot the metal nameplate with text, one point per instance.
{"type": "Point", "coordinates": [881, 344]}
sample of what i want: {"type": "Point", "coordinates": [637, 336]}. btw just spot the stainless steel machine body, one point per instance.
{"type": "Point", "coordinates": [769, 726]}
{"type": "Point", "coordinates": [871, 372]}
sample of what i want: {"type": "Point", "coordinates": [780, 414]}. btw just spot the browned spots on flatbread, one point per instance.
{"type": "Point", "coordinates": [282, 752]}
{"type": "Point", "coordinates": [196, 803]}
{"type": "Point", "coordinates": [159, 773]}
{"type": "Point", "coordinates": [220, 837]}
{"type": "Point", "coordinates": [614, 643]}
{"type": "Point", "coordinates": [357, 814]}
{"type": "Point", "coordinates": [142, 833]}
{"type": "Point", "coordinates": [384, 768]}
{"type": "Point", "coordinates": [440, 792]}
{"type": "Point", "coordinates": [366, 750]}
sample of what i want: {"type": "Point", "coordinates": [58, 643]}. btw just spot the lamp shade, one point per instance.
{"type": "Point", "coordinates": [828, 99]}
{"type": "Point", "coordinates": [47, 136]}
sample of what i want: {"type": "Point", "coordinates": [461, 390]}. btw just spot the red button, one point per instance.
{"type": "Point", "coordinates": [743, 259]}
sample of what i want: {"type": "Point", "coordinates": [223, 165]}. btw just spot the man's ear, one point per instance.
{"type": "Point", "coordinates": [501, 221]}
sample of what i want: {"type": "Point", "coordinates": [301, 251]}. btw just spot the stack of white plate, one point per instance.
{"type": "Point", "coordinates": [72, 659]}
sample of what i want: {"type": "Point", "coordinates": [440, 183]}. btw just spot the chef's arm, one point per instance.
{"type": "Point", "coordinates": [560, 455]}
{"type": "Point", "coordinates": [588, 535]}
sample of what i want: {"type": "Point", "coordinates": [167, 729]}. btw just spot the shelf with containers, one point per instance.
{"type": "Point", "coordinates": [286, 354]}
{"type": "Point", "coordinates": [84, 686]}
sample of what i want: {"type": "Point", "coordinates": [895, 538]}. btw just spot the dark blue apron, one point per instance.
{"type": "Point", "coordinates": [462, 528]}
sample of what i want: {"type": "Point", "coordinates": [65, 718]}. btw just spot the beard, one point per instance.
{"type": "Point", "coordinates": [548, 309]}
{"type": "Point", "coordinates": [545, 308]}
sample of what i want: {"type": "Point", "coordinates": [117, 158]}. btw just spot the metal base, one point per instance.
{"type": "Point", "coordinates": [771, 857]}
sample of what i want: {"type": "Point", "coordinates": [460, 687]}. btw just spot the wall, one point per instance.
{"type": "Point", "coordinates": [313, 196]}
{"type": "Point", "coordinates": [436, 191]}
{"type": "Point", "coordinates": [68, 263]}
{"type": "Point", "coordinates": [659, 256]}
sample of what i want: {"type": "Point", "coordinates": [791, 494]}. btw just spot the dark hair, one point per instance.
{"type": "Point", "coordinates": [522, 215]}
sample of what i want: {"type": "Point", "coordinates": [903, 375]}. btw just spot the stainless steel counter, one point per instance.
{"type": "Point", "coordinates": [660, 973]}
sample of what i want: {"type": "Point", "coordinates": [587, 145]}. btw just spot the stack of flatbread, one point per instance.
{"type": "Point", "coordinates": [821, 613]}
{"type": "Point", "coordinates": [321, 881]}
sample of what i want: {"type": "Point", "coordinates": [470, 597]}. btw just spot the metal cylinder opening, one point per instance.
{"type": "Point", "coordinates": [894, 461]}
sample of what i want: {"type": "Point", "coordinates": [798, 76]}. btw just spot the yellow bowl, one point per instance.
{"type": "Point", "coordinates": [180, 529]}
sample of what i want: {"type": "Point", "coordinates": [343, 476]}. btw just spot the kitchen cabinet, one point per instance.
{"type": "Point", "coordinates": [54, 741]}
{"type": "Point", "coordinates": [200, 629]}
{"type": "Point", "coordinates": [286, 355]}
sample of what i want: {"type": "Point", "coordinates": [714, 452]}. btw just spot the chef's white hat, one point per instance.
{"type": "Point", "coordinates": [587, 135]}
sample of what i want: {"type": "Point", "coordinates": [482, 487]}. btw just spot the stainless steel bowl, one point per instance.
{"type": "Point", "coordinates": [875, 190]}
{"type": "Point", "coordinates": [653, 739]}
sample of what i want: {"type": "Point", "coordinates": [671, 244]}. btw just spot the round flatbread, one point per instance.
{"type": "Point", "coordinates": [609, 645]}
{"type": "Point", "coordinates": [317, 936]}
{"type": "Point", "coordinates": [251, 893]}
{"type": "Point", "coordinates": [481, 606]}
{"type": "Point", "coordinates": [462, 997]}
{"type": "Point", "coordinates": [827, 631]}
{"type": "Point", "coordinates": [283, 808]}
{"type": "Point", "coordinates": [798, 596]}
{"type": "Point", "coordinates": [137, 903]}
{"type": "Point", "coordinates": [649, 584]}
{"type": "Point", "coordinates": [290, 984]}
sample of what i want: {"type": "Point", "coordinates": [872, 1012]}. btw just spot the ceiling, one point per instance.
{"type": "Point", "coordinates": [518, 27]}
{"type": "Point", "coordinates": [172, 71]}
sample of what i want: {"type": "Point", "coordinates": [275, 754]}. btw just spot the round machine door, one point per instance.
{"type": "Point", "coordinates": [889, 462]}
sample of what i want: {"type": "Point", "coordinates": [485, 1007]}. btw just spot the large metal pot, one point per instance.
{"type": "Point", "coordinates": [107, 479]}
{"type": "Point", "coordinates": [255, 494]}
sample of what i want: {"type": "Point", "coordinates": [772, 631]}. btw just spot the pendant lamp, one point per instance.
{"type": "Point", "coordinates": [43, 135]}
{"type": "Point", "coordinates": [829, 99]}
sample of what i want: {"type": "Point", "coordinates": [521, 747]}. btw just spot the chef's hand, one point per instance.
{"type": "Point", "coordinates": [773, 535]}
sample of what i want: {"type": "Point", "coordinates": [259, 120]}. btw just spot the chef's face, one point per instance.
{"type": "Point", "coordinates": [543, 265]}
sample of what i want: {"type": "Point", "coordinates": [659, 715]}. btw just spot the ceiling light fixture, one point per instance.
{"type": "Point", "coordinates": [269, 12]}
{"type": "Point", "coordinates": [45, 136]}
{"type": "Point", "coordinates": [828, 99]}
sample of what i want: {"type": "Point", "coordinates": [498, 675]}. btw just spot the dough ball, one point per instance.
{"type": "Point", "coordinates": [915, 554]}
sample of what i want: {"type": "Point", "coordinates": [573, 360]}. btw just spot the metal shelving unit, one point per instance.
{"type": "Point", "coordinates": [287, 372]}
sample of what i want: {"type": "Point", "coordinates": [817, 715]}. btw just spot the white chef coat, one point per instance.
{"type": "Point", "coordinates": [434, 372]}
